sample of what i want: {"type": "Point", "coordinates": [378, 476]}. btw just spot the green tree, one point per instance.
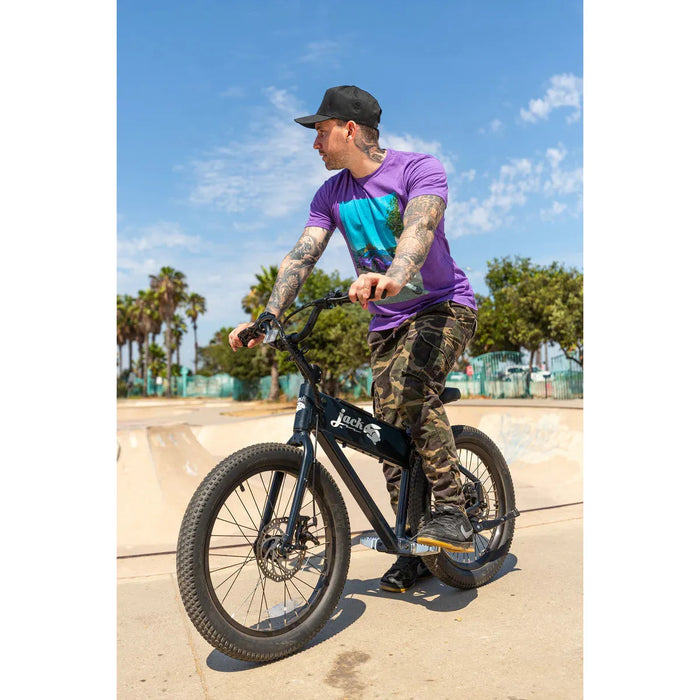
{"type": "Point", "coordinates": [122, 325]}
{"type": "Point", "coordinates": [147, 321]}
{"type": "Point", "coordinates": [178, 331]}
{"type": "Point", "coordinates": [529, 302]}
{"type": "Point", "coordinates": [127, 331]}
{"type": "Point", "coordinates": [491, 333]}
{"type": "Point", "coordinates": [529, 305]}
{"type": "Point", "coordinates": [195, 306]}
{"type": "Point", "coordinates": [169, 285]}
{"type": "Point", "coordinates": [216, 358]}
{"type": "Point", "coordinates": [565, 315]}
{"type": "Point", "coordinates": [254, 303]}
{"type": "Point", "coordinates": [497, 315]}
{"type": "Point", "coordinates": [339, 341]}
{"type": "Point", "coordinates": [156, 360]}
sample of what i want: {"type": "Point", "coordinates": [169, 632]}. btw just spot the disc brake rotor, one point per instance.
{"type": "Point", "coordinates": [272, 563]}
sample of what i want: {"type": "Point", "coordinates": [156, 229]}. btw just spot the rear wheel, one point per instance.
{"type": "Point", "coordinates": [481, 457]}
{"type": "Point", "coordinates": [247, 595]}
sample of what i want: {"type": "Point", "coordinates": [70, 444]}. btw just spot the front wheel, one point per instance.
{"type": "Point", "coordinates": [248, 596]}
{"type": "Point", "coordinates": [481, 457]}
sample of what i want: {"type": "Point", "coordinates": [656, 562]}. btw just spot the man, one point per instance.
{"type": "Point", "coordinates": [389, 206]}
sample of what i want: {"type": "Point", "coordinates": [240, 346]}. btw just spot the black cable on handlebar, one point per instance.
{"type": "Point", "coordinates": [328, 302]}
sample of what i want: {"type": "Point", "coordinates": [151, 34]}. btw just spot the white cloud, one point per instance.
{"type": "Point", "coordinates": [272, 171]}
{"type": "Point", "coordinates": [142, 251]}
{"type": "Point", "coordinates": [163, 234]}
{"type": "Point", "coordinates": [553, 212]}
{"type": "Point", "coordinates": [565, 90]}
{"type": "Point", "coordinates": [494, 126]}
{"type": "Point", "coordinates": [562, 181]}
{"type": "Point", "coordinates": [406, 142]}
{"type": "Point", "coordinates": [519, 180]}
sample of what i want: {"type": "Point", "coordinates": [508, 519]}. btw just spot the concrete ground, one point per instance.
{"type": "Point", "coordinates": [518, 637]}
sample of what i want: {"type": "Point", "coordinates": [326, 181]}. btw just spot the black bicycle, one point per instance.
{"type": "Point", "coordinates": [264, 546]}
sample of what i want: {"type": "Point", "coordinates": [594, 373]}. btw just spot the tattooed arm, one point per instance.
{"type": "Point", "coordinates": [421, 218]}
{"type": "Point", "coordinates": [294, 270]}
{"type": "Point", "coordinates": [296, 267]}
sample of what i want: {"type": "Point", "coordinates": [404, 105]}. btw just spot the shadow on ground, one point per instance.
{"type": "Point", "coordinates": [431, 593]}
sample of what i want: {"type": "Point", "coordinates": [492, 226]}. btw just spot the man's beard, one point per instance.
{"type": "Point", "coordinates": [332, 163]}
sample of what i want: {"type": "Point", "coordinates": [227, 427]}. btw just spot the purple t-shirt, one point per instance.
{"type": "Point", "coordinates": [369, 213]}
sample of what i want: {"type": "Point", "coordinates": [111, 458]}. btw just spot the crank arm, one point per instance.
{"type": "Point", "coordinates": [490, 524]}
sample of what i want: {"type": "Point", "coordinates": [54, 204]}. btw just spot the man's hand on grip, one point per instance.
{"type": "Point", "coordinates": [235, 341]}
{"type": "Point", "coordinates": [371, 286]}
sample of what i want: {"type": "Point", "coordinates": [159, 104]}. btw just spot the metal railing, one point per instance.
{"type": "Point", "coordinates": [499, 375]}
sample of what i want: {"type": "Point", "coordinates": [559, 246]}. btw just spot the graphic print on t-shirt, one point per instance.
{"type": "Point", "coordinates": [372, 227]}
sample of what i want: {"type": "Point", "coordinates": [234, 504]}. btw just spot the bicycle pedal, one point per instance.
{"type": "Point", "coordinates": [422, 550]}
{"type": "Point", "coordinates": [373, 542]}
{"type": "Point", "coordinates": [405, 546]}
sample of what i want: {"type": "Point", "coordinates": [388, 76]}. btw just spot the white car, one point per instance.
{"type": "Point", "coordinates": [537, 374]}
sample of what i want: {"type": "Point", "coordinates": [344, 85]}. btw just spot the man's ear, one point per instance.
{"type": "Point", "coordinates": [351, 130]}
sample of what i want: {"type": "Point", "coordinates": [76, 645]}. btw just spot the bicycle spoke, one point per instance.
{"type": "Point", "coordinates": [233, 582]}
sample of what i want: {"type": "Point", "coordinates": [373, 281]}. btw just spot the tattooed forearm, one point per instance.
{"type": "Point", "coordinates": [296, 267]}
{"type": "Point", "coordinates": [422, 215]}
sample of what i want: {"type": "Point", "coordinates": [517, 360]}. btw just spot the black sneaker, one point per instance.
{"type": "Point", "coordinates": [403, 574]}
{"type": "Point", "coordinates": [450, 529]}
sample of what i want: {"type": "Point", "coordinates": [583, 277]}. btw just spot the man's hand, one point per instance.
{"type": "Point", "coordinates": [361, 289]}
{"type": "Point", "coordinates": [235, 342]}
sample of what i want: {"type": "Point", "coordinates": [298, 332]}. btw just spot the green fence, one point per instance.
{"type": "Point", "coordinates": [216, 386]}
{"type": "Point", "coordinates": [503, 375]}
{"type": "Point", "coordinates": [496, 375]}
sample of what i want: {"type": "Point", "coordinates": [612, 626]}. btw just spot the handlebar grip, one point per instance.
{"type": "Point", "coordinates": [373, 291]}
{"type": "Point", "coordinates": [248, 334]}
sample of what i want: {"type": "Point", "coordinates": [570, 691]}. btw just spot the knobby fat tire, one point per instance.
{"type": "Point", "coordinates": [192, 552]}
{"type": "Point", "coordinates": [441, 565]}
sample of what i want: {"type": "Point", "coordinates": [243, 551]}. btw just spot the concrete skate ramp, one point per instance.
{"type": "Point", "coordinates": [160, 467]}
{"type": "Point", "coordinates": [158, 470]}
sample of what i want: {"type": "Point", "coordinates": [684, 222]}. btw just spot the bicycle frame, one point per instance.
{"type": "Point", "coordinates": [335, 422]}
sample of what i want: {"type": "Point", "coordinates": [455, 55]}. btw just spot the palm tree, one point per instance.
{"type": "Point", "coordinates": [122, 329]}
{"type": "Point", "coordinates": [254, 303]}
{"type": "Point", "coordinates": [169, 285]}
{"type": "Point", "coordinates": [196, 305]}
{"type": "Point", "coordinates": [179, 329]}
{"type": "Point", "coordinates": [127, 332]}
{"type": "Point", "coordinates": [147, 322]}
{"type": "Point", "coordinates": [156, 357]}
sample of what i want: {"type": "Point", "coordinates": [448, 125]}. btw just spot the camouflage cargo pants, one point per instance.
{"type": "Point", "coordinates": [409, 367]}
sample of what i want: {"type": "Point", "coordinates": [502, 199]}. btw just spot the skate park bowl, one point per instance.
{"type": "Point", "coordinates": [519, 636]}
{"type": "Point", "coordinates": [165, 450]}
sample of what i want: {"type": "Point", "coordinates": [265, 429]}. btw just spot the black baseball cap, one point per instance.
{"type": "Point", "coordinates": [345, 102]}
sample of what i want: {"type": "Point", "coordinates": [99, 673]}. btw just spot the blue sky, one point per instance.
{"type": "Point", "coordinates": [215, 179]}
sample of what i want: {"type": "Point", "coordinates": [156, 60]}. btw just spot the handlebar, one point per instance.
{"type": "Point", "coordinates": [267, 324]}
{"type": "Point", "coordinates": [273, 329]}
